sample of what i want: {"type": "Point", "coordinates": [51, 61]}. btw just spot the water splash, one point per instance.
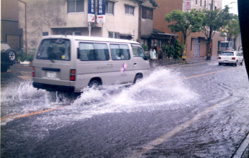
{"type": "Point", "coordinates": [163, 89]}
{"type": "Point", "coordinates": [24, 99]}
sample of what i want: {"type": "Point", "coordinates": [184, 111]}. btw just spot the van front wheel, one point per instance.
{"type": "Point", "coordinates": [138, 78]}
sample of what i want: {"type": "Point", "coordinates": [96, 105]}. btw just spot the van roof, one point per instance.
{"type": "Point", "coordinates": [87, 38]}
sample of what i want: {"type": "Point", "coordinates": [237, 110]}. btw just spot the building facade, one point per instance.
{"type": "Point", "coordinates": [126, 19]}
{"type": "Point", "coordinates": [196, 42]}
{"type": "Point", "coordinates": [10, 31]}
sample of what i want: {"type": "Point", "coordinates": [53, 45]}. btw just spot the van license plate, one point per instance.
{"type": "Point", "coordinates": [51, 74]}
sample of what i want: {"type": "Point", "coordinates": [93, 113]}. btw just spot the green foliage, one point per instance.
{"type": "Point", "coordinates": [185, 22]}
{"type": "Point", "coordinates": [170, 50]}
{"type": "Point", "coordinates": [232, 30]}
{"type": "Point", "coordinates": [25, 57]}
{"type": "Point", "coordinates": [214, 20]}
{"type": "Point", "coordinates": [145, 47]}
{"type": "Point", "coordinates": [174, 50]}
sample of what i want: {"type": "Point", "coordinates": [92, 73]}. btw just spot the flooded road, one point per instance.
{"type": "Point", "coordinates": [191, 110]}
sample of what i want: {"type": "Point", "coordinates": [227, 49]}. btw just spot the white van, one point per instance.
{"type": "Point", "coordinates": [71, 63]}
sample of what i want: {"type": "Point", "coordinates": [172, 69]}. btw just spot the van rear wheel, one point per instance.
{"type": "Point", "coordinates": [94, 83]}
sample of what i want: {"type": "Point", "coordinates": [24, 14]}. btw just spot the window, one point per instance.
{"type": "Point", "coordinates": [109, 7]}
{"type": "Point", "coordinates": [129, 10]}
{"type": "Point", "coordinates": [75, 6]}
{"type": "Point", "coordinates": [196, 1]}
{"type": "Point", "coordinates": [54, 49]}
{"type": "Point", "coordinates": [113, 35]}
{"type": "Point", "coordinates": [77, 33]}
{"type": "Point", "coordinates": [93, 52]}
{"type": "Point", "coordinates": [200, 2]}
{"type": "Point", "coordinates": [147, 13]}
{"type": "Point", "coordinates": [138, 51]}
{"type": "Point", "coordinates": [227, 54]}
{"type": "Point", "coordinates": [44, 33]}
{"type": "Point", "coordinates": [120, 52]}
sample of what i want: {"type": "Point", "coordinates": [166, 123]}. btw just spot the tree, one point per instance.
{"type": "Point", "coordinates": [185, 22]}
{"type": "Point", "coordinates": [232, 30]}
{"type": "Point", "coordinates": [174, 50]}
{"type": "Point", "coordinates": [213, 21]}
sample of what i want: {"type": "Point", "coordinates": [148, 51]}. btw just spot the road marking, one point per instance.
{"type": "Point", "coordinates": [209, 73]}
{"type": "Point", "coordinates": [30, 114]}
{"type": "Point", "coordinates": [23, 67]}
{"type": "Point", "coordinates": [48, 110]}
{"type": "Point", "coordinates": [152, 144]}
{"type": "Point", "coordinates": [26, 77]}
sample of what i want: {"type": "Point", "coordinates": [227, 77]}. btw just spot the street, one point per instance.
{"type": "Point", "coordinates": [181, 110]}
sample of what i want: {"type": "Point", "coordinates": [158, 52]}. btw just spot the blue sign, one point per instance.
{"type": "Point", "coordinates": [91, 6]}
{"type": "Point", "coordinates": [101, 7]}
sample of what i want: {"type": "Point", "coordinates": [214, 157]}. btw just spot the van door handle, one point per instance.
{"type": "Point", "coordinates": [135, 64]}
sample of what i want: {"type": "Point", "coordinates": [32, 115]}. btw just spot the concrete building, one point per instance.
{"type": "Point", "coordinates": [196, 42]}
{"type": "Point", "coordinates": [126, 19]}
{"type": "Point", "coordinates": [10, 31]}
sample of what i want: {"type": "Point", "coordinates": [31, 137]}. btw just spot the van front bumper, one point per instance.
{"type": "Point", "coordinates": [53, 87]}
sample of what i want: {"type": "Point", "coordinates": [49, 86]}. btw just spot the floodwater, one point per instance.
{"type": "Point", "coordinates": [217, 133]}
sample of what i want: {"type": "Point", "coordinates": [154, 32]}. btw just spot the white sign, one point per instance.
{"type": "Point", "coordinates": [187, 5]}
{"type": "Point", "coordinates": [100, 18]}
{"type": "Point", "coordinates": [91, 18]}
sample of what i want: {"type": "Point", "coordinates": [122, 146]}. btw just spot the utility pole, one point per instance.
{"type": "Point", "coordinates": [26, 34]}
{"type": "Point", "coordinates": [139, 19]}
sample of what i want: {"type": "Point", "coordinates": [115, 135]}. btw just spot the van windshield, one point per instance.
{"type": "Point", "coordinates": [54, 49]}
{"type": "Point", "coordinates": [138, 51]}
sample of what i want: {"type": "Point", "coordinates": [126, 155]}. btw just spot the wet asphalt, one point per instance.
{"type": "Point", "coordinates": [181, 110]}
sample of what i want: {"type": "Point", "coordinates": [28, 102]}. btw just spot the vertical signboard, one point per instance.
{"type": "Point", "coordinates": [101, 11]}
{"type": "Point", "coordinates": [187, 5]}
{"type": "Point", "coordinates": [91, 10]}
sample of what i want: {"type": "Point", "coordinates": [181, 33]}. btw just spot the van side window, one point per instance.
{"type": "Point", "coordinates": [93, 52]}
{"type": "Point", "coordinates": [120, 52]}
{"type": "Point", "coordinates": [138, 51]}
